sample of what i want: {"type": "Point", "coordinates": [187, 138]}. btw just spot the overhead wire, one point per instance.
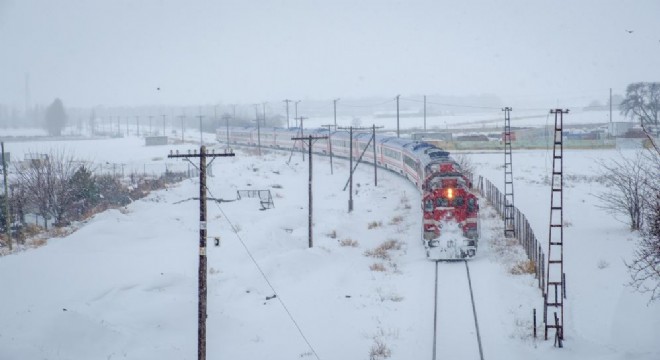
{"type": "Point", "coordinates": [263, 274]}
{"type": "Point", "coordinates": [364, 106]}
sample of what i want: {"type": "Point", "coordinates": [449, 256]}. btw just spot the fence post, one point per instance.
{"type": "Point", "coordinates": [534, 323]}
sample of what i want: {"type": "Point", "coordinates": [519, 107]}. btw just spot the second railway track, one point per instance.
{"type": "Point", "coordinates": [455, 325]}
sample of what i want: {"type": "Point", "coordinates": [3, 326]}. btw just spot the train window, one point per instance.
{"type": "Point", "coordinates": [441, 202]}
{"type": "Point", "coordinates": [428, 205]}
{"type": "Point", "coordinates": [458, 201]}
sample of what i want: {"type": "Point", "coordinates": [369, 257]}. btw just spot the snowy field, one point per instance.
{"type": "Point", "coordinates": [124, 285]}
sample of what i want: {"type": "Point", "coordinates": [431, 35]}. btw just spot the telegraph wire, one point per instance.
{"type": "Point", "coordinates": [263, 274]}
{"type": "Point", "coordinates": [367, 106]}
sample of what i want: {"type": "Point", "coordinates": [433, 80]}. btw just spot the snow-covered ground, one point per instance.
{"type": "Point", "coordinates": [476, 121]}
{"type": "Point", "coordinates": [125, 284]}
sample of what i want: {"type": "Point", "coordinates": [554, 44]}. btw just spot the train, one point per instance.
{"type": "Point", "coordinates": [450, 207]}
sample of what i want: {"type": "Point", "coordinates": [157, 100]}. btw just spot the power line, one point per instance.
{"type": "Point", "coordinates": [367, 106]}
{"type": "Point", "coordinates": [263, 275]}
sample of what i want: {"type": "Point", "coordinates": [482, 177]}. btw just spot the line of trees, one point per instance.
{"type": "Point", "coordinates": [61, 189]}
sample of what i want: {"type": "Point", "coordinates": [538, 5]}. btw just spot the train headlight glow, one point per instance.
{"type": "Point", "coordinates": [450, 193]}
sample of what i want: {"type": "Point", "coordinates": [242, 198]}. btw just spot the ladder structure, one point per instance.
{"type": "Point", "coordinates": [509, 222]}
{"type": "Point", "coordinates": [555, 279]}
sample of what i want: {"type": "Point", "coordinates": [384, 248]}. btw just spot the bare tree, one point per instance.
{"type": "Point", "coordinates": [642, 102]}
{"type": "Point", "coordinates": [45, 181]}
{"type": "Point", "coordinates": [629, 181]}
{"type": "Point", "coordinates": [645, 266]}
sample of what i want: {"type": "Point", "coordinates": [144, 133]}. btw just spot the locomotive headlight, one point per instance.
{"type": "Point", "coordinates": [450, 193]}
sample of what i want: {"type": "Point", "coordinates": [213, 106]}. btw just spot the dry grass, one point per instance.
{"type": "Point", "coordinates": [349, 242]}
{"type": "Point", "coordinates": [377, 267]}
{"type": "Point", "coordinates": [378, 253]}
{"type": "Point", "coordinates": [374, 224]}
{"type": "Point", "coordinates": [39, 242]}
{"type": "Point", "coordinates": [382, 251]}
{"type": "Point", "coordinates": [396, 220]}
{"type": "Point", "coordinates": [523, 267]}
{"type": "Point", "coordinates": [332, 234]}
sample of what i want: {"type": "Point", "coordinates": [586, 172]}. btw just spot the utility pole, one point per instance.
{"type": "Point", "coordinates": [309, 148]}
{"type": "Point", "coordinates": [555, 277]}
{"type": "Point", "coordinates": [263, 105]}
{"type": "Point", "coordinates": [226, 117]}
{"type": "Point", "coordinates": [201, 287]}
{"type": "Point", "coordinates": [164, 122]}
{"type": "Point", "coordinates": [150, 131]}
{"type": "Point", "coordinates": [351, 168]}
{"type": "Point", "coordinates": [6, 209]}
{"type": "Point", "coordinates": [397, 115]}
{"type": "Point", "coordinates": [137, 122]}
{"type": "Point", "coordinates": [200, 116]}
{"type": "Point", "coordinates": [509, 208]}
{"type": "Point", "coordinates": [287, 101]}
{"type": "Point", "coordinates": [256, 115]}
{"type": "Point", "coordinates": [302, 147]}
{"type": "Point", "coordinates": [610, 106]}
{"type": "Point", "coordinates": [296, 104]}
{"type": "Point", "coordinates": [183, 129]}
{"type": "Point", "coordinates": [424, 113]}
{"type": "Point", "coordinates": [373, 140]}
{"type": "Point", "coordinates": [330, 144]}
{"type": "Point", "coordinates": [335, 106]}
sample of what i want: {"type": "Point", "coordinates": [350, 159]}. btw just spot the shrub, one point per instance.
{"type": "Point", "coordinates": [374, 224]}
{"type": "Point", "coordinates": [377, 267]}
{"type": "Point", "coordinates": [349, 242]}
{"type": "Point", "coordinates": [379, 351]}
{"type": "Point", "coordinates": [396, 220]}
{"type": "Point", "coordinates": [332, 234]}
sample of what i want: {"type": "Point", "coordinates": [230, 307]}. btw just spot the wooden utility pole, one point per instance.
{"type": "Point", "coordinates": [226, 117]}
{"type": "Point", "coordinates": [287, 101]}
{"type": "Point", "coordinates": [137, 122]}
{"type": "Point", "coordinates": [335, 106]}
{"type": "Point", "coordinates": [352, 169]}
{"type": "Point", "coordinates": [302, 147]}
{"type": "Point", "coordinates": [256, 116]}
{"type": "Point", "coordinates": [309, 147]}
{"type": "Point", "coordinates": [6, 209]}
{"type": "Point", "coordinates": [201, 139]}
{"type": "Point", "coordinates": [263, 104]}
{"type": "Point", "coordinates": [330, 145]}
{"type": "Point", "coordinates": [397, 115]}
{"type": "Point", "coordinates": [373, 141]}
{"type": "Point", "coordinates": [183, 128]}
{"type": "Point", "coordinates": [201, 305]}
{"type": "Point", "coordinates": [424, 113]}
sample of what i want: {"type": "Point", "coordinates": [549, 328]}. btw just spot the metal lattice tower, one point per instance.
{"type": "Point", "coordinates": [555, 279]}
{"type": "Point", "coordinates": [509, 228]}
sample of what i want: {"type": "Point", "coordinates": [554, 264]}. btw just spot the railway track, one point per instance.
{"type": "Point", "coordinates": [455, 325]}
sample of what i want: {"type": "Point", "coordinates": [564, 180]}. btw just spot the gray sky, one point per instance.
{"type": "Point", "coordinates": [117, 52]}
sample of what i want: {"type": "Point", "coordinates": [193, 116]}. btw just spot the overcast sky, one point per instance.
{"type": "Point", "coordinates": [118, 52]}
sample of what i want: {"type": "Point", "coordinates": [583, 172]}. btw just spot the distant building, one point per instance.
{"type": "Point", "coordinates": [619, 128]}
